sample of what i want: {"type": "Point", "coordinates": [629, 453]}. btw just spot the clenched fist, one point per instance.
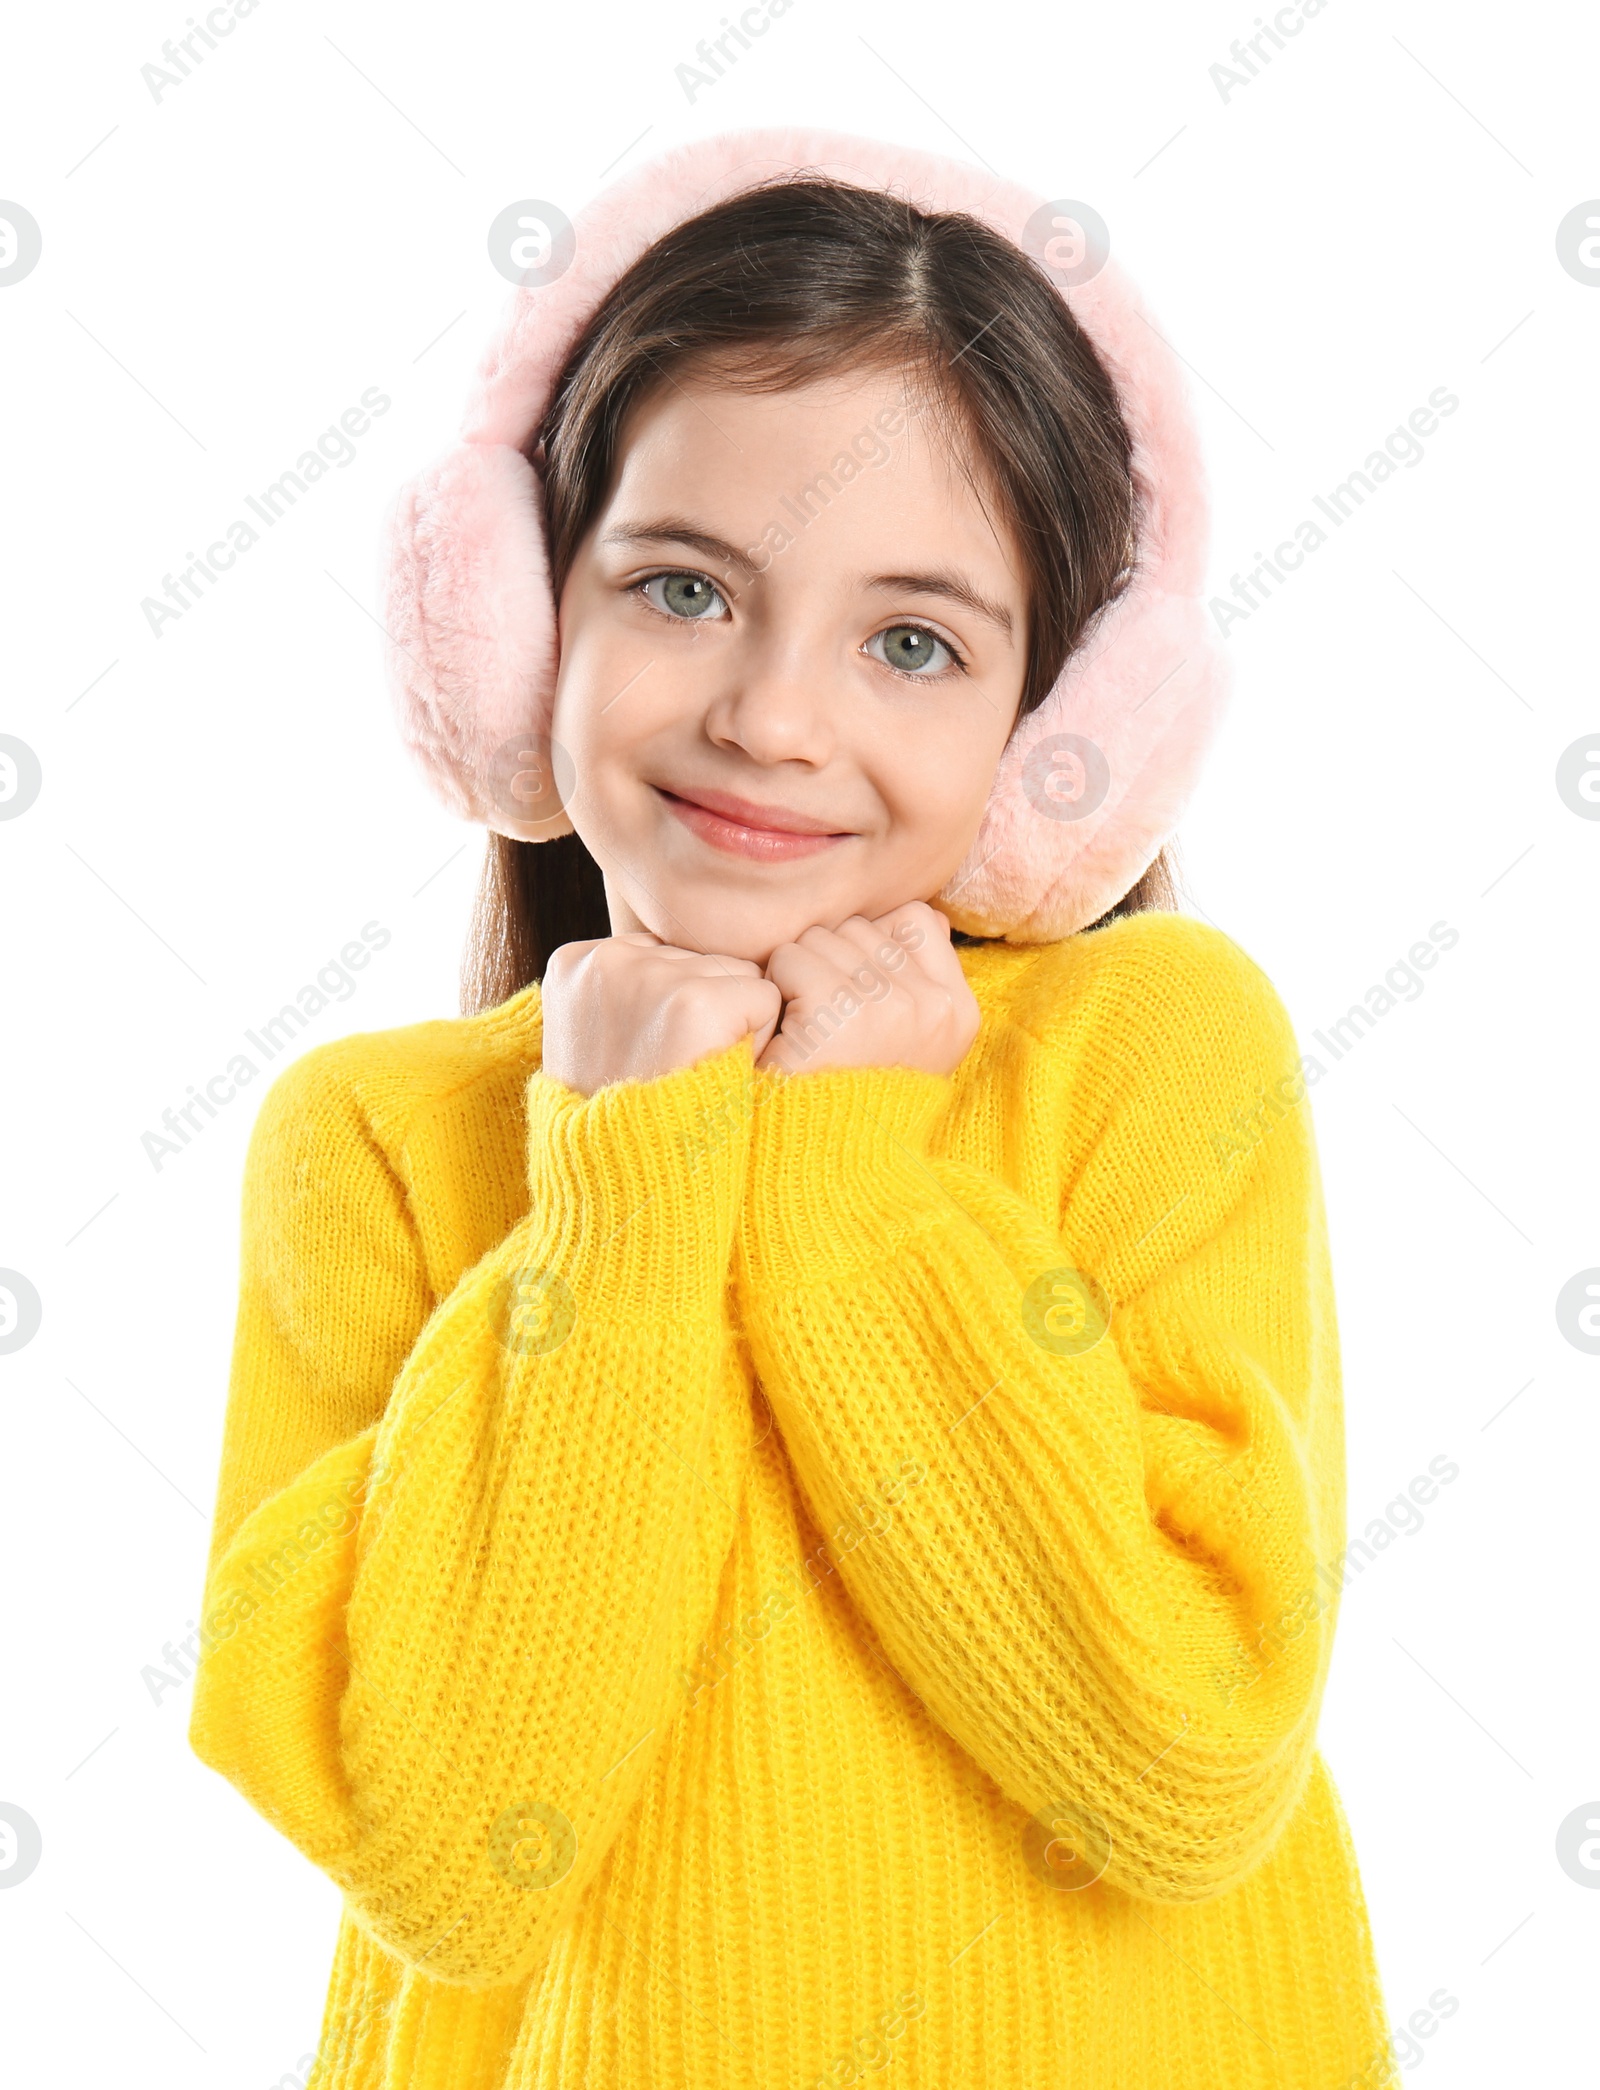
{"type": "Point", "coordinates": [621, 1008]}
{"type": "Point", "coordinates": [882, 993]}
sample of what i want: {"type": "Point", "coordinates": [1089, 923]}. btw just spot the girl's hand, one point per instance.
{"type": "Point", "coordinates": [621, 1008]}
{"type": "Point", "coordinates": [883, 993]}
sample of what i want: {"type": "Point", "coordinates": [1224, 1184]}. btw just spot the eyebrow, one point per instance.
{"type": "Point", "coordinates": [950, 585]}
{"type": "Point", "coordinates": [672, 529]}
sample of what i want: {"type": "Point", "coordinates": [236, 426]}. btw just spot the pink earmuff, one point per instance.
{"type": "Point", "coordinates": [1091, 784]}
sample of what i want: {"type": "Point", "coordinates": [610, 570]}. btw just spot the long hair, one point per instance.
{"type": "Point", "coordinates": [788, 282]}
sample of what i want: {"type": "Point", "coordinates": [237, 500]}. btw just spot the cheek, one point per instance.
{"type": "Point", "coordinates": [615, 718]}
{"type": "Point", "coordinates": [936, 785]}
{"type": "Point", "coordinates": [619, 708]}
{"type": "Point", "coordinates": [589, 718]}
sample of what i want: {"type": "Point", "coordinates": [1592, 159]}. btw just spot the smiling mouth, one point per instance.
{"type": "Point", "coordinates": [738, 827]}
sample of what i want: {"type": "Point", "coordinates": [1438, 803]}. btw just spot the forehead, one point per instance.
{"type": "Point", "coordinates": [857, 465]}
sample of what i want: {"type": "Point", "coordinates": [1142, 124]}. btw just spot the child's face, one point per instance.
{"type": "Point", "coordinates": [717, 645]}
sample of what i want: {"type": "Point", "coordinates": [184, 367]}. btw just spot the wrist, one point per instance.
{"type": "Point", "coordinates": [837, 1170]}
{"type": "Point", "coordinates": [636, 1189]}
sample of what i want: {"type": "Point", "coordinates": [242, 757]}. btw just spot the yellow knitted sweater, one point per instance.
{"type": "Point", "coordinates": [747, 1580]}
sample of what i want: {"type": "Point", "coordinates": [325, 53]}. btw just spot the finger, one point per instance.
{"type": "Point", "coordinates": [869, 960]}
{"type": "Point", "coordinates": [567, 956]}
{"type": "Point", "coordinates": [884, 949]}
{"type": "Point", "coordinates": [914, 924]}
{"type": "Point", "coordinates": [711, 965]}
{"type": "Point", "coordinates": [923, 933]}
{"type": "Point", "coordinates": [844, 945]}
{"type": "Point", "coordinates": [741, 1007]}
{"type": "Point", "coordinates": [806, 972]}
{"type": "Point", "coordinates": [777, 1057]}
{"type": "Point", "coordinates": [761, 1037]}
{"type": "Point", "coordinates": [761, 1005]}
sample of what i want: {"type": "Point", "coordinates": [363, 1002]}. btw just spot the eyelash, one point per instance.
{"type": "Point", "coordinates": [958, 660]}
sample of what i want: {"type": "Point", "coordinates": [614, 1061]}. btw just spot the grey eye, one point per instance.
{"type": "Point", "coordinates": [685, 595]}
{"type": "Point", "coordinates": [910, 647]}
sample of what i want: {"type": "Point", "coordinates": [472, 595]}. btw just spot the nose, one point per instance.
{"type": "Point", "coordinates": [777, 703]}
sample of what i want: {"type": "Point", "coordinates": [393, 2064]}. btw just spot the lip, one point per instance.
{"type": "Point", "coordinates": [740, 827]}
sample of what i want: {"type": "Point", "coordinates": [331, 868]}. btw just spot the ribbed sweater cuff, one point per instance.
{"type": "Point", "coordinates": [636, 1189]}
{"type": "Point", "coordinates": [837, 1170]}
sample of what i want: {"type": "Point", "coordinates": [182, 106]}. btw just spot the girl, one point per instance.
{"type": "Point", "coordinates": [783, 1475]}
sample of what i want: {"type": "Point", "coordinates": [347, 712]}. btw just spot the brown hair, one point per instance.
{"type": "Point", "coordinates": [781, 284]}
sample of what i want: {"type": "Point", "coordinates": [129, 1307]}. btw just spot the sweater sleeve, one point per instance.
{"type": "Point", "coordinates": [1079, 1453]}
{"type": "Point", "coordinates": [440, 1643]}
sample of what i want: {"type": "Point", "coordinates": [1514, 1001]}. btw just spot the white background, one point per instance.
{"type": "Point", "coordinates": [225, 271]}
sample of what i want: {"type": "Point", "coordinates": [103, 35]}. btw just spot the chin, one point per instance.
{"type": "Point", "coordinates": [740, 927]}
{"type": "Point", "coordinates": [739, 924]}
